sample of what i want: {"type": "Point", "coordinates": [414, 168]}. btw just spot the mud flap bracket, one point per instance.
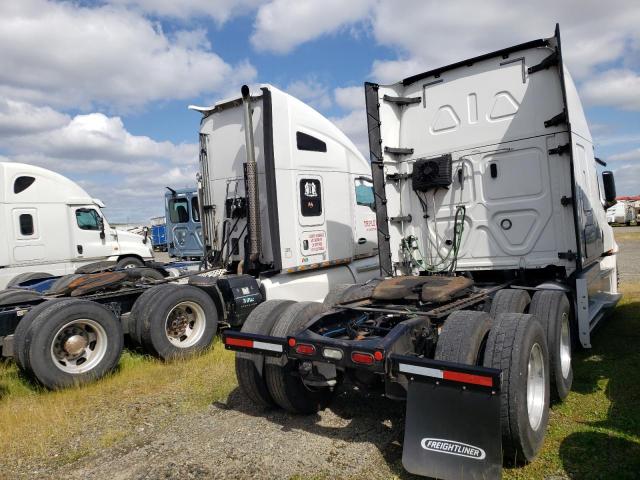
{"type": "Point", "coordinates": [452, 422]}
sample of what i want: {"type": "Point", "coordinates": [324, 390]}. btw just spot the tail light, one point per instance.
{"type": "Point", "coordinates": [362, 358]}
{"type": "Point", "coordinates": [332, 353]}
{"type": "Point", "coordinates": [305, 349]}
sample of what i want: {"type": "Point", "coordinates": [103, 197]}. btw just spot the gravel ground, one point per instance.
{"type": "Point", "coordinates": [629, 256]}
{"type": "Point", "coordinates": [357, 437]}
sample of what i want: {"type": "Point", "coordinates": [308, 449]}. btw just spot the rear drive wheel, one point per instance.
{"type": "Point", "coordinates": [553, 310]}
{"type": "Point", "coordinates": [517, 345]}
{"type": "Point", "coordinates": [286, 387]}
{"type": "Point", "coordinates": [180, 321]}
{"type": "Point", "coordinates": [463, 337]}
{"type": "Point", "coordinates": [27, 276]}
{"type": "Point", "coordinates": [510, 300]}
{"type": "Point", "coordinates": [72, 342]}
{"type": "Point", "coordinates": [250, 366]}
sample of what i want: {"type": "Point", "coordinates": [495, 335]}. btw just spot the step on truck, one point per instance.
{"type": "Point", "coordinates": [496, 260]}
{"type": "Point", "coordinates": [287, 209]}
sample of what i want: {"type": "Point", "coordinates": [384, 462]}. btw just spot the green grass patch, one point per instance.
{"type": "Point", "coordinates": [595, 433]}
{"type": "Point", "coordinates": [39, 427]}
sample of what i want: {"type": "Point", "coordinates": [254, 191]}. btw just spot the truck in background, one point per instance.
{"type": "Point", "coordinates": [159, 234]}
{"type": "Point", "coordinates": [183, 228]}
{"type": "Point", "coordinates": [313, 220]}
{"type": "Point", "coordinates": [621, 213]}
{"type": "Point", "coordinates": [51, 226]}
{"type": "Point", "coordinates": [299, 216]}
{"type": "Point", "coordinates": [496, 260]}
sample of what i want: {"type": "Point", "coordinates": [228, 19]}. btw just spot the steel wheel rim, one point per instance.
{"type": "Point", "coordinates": [185, 324]}
{"type": "Point", "coordinates": [79, 346]}
{"type": "Point", "coordinates": [535, 386]}
{"type": "Point", "coordinates": [565, 347]}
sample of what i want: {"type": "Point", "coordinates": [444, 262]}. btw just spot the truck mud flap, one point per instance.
{"type": "Point", "coordinates": [254, 343]}
{"type": "Point", "coordinates": [452, 422]}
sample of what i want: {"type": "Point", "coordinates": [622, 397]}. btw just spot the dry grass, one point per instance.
{"type": "Point", "coordinates": [626, 234]}
{"type": "Point", "coordinates": [43, 428]}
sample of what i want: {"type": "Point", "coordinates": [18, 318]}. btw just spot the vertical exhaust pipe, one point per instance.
{"type": "Point", "coordinates": [252, 179]}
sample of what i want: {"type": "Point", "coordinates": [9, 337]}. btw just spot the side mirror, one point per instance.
{"type": "Point", "coordinates": [102, 235]}
{"type": "Point", "coordinates": [609, 185]}
{"type": "Point", "coordinates": [145, 230]}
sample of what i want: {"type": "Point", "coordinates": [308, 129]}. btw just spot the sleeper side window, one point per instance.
{"type": "Point", "coordinates": [310, 143]}
{"type": "Point", "coordinates": [364, 193]}
{"type": "Point", "coordinates": [87, 219]}
{"type": "Point", "coordinates": [310, 197]}
{"type": "Point", "coordinates": [195, 209]}
{"type": "Point", "coordinates": [179, 210]}
{"type": "Point", "coordinates": [26, 224]}
{"type": "Point", "coordinates": [22, 183]}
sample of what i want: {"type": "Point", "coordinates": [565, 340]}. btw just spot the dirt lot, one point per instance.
{"type": "Point", "coordinates": [131, 431]}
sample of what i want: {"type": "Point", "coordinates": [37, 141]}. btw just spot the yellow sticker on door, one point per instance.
{"type": "Point", "coordinates": [313, 242]}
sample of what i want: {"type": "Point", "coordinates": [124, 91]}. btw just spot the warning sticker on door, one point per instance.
{"type": "Point", "coordinates": [314, 242]}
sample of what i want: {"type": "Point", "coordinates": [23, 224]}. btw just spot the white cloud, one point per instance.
{"type": "Point", "coordinates": [19, 118]}
{"type": "Point", "coordinates": [349, 98]}
{"type": "Point", "coordinates": [64, 55]}
{"type": "Point", "coordinates": [628, 156]}
{"type": "Point", "coordinates": [618, 88]}
{"type": "Point", "coordinates": [311, 91]}
{"type": "Point", "coordinates": [354, 126]}
{"type": "Point", "coordinates": [281, 25]}
{"type": "Point", "coordinates": [627, 179]}
{"type": "Point", "coordinates": [219, 10]}
{"type": "Point", "coordinates": [433, 33]}
{"type": "Point", "coordinates": [127, 171]}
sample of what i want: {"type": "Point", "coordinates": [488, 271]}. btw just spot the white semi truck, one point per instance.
{"type": "Point", "coordinates": [287, 208]}
{"type": "Point", "coordinates": [51, 226]}
{"type": "Point", "coordinates": [496, 260]}
{"type": "Point", "coordinates": [621, 213]}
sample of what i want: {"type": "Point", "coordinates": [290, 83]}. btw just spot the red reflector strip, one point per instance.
{"type": "Point", "coordinates": [365, 358]}
{"type": "Point", "coordinates": [467, 378]}
{"type": "Point", "coordinates": [238, 342]}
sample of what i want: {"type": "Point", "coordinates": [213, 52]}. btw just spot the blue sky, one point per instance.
{"type": "Point", "coordinates": [98, 90]}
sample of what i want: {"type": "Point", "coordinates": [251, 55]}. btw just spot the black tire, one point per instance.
{"type": "Point", "coordinates": [552, 309]}
{"type": "Point", "coordinates": [47, 328]}
{"type": "Point", "coordinates": [335, 294]}
{"type": "Point", "coordinates": [512, 338]}
{"type": "Point", "coordinates": [96, 267]}
{"type": "Point", "coordinates": [250, 366]}
{"type": "Point", "coordinates": [463, 337]}
{"type": "Point", "coordinates": [153, 321]}
{"type": "Point", "coordinates": [18, 295]}
{"type": "Point", "coordinates": [25, 277]}
{"type": "Point", "coordinates": [145, 274]}
{"type": "Point", "coordinates": [20, 336]}
{"type": "Point", "coordinates": [129, 262]}
{"type": "Point", "coordinates": [509, 300]}
{"type": "Point", "coordinates": [141, 309]}
{"type": "Point", "coordinates": [61, 285]}
{"type": "Point", "coordinates": [286, 388]}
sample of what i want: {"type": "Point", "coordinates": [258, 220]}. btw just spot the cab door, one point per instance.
{"type": "Point", "coordinates": [311, 218]}
{"type": "Point", "coordinates": [92, 239]}
{"type": "Point", "coordinates": [365, 230]}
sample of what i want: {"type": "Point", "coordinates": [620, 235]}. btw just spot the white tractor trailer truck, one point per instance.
{"type": "Point", "coordinates": [287, 209]}
{"type": "Point", "coordinates": [50, 226]}
{"type": "Point", "coordinates": [496, 260]}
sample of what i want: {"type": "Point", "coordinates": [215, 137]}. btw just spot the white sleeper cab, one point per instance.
{"type": "Point", "coordinates": [50, 225]}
